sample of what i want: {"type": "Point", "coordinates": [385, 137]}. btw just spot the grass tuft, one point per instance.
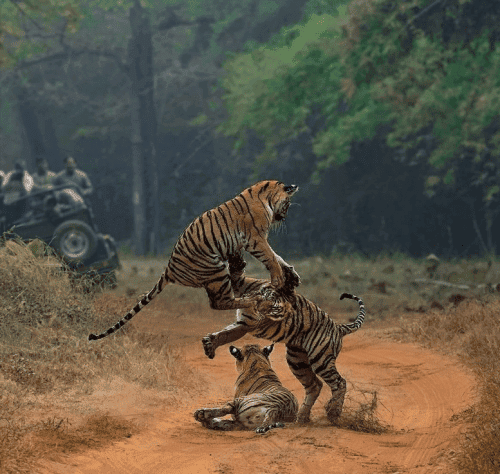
{"type": "Point", "coordinates": [361, 416]}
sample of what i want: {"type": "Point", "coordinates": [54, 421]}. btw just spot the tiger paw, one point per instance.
{"type": "Point", "coordinates": [265, 429]}
{"type": "Point", "coordinates": [236, 263]}
{"type": "Point", "coordinates": [203, 415]}
{"type": "Point", "coordinates": [333, 410]}
{"type": "Point", "coordinates": [209, 346]}
{"type": "Point", "coordinates": [292, 278]}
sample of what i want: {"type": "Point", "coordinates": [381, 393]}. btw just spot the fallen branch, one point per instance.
{"type": "Point", "coordinates": [425, 281]}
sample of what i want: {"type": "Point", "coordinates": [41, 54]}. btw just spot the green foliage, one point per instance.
{"type": "Point", "coordinates": [273, 89]}
{"type": "Point", "coordinates": [368, 57]}
{"type": "Point", "coordinates": [458, 92]}
{"type": "Point", "coordinates": [322, 7]}
{"type": "Point", "coordinates": [30, 27]}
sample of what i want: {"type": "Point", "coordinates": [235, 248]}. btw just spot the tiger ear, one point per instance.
{"type": "Point", "coordinates": [236, 353]}
{"type": "Point", "coordinates": [267, 350]}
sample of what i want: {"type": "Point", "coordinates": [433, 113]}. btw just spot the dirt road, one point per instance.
{"type": "Point", "coordinates": [418, 390]}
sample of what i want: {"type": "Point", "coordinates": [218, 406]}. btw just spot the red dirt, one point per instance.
{"type": "Point", "coordinates": [418, 392]}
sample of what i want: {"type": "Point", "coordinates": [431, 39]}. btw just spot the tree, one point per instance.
{"type": "Point", "coordinates": [27, 30]}
{"type": "Point", "coordinates": [31, 27]}
{"type": "Point", "coordinates": [86, 83]}
{"type": "Point", "coordinates": [420, 73]}
{"type": "Point", "coordinates": [139, 68]}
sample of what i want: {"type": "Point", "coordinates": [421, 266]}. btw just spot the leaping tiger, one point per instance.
{"type": "Point", "coordinates": [260, 403]}
{"type": "Point", "coordinates": [199, 258]}
{"type": "Point", "coordinates": [313, 340]}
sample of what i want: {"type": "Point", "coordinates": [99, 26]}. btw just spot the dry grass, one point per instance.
{"type": "Point", "coordinates": [58, 436]}
{"type": "Point", "coordinates": [462, 321]}
{"type": "Point", "coordinates": [471, 330]}
{"type": "Point", "coordinates": [361, 416]}
{"type": "Point", "coordinates": [44, 321]}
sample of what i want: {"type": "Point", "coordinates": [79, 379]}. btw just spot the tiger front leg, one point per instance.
{"type": "Point", "coordinates": [292, 278]}
{"type": "Point", "coordinates": [263, 252]}
{"type": "Point", "coordinates": [209, 418]}
{"type": "Point", "coordinates": [229, 334]}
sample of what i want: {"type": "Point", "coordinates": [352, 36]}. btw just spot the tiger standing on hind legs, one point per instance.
{"type": "Point", "coordinates": [313, 340]}
{"type": "Point", "coordinates": [260, 402]}
{"type": "Point", "coordinates": [200, 256]}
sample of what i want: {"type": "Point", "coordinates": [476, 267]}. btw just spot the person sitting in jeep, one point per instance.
{"type": "Point", "coordinates": [16, 184]}
{"type": "Point", "coordinates": [72, 175]}
{"type": "Point", "coordinates": [43, 176]}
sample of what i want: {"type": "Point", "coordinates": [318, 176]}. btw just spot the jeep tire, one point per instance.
{"type": "Point", "coordinates": [75, 240]}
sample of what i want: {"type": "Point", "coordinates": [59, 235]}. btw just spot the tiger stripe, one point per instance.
{"type": "Point", "coordinates": [313, 340]}
{"type": "Point", "coordinates": [260, 402]}
{"type": "Point", "coordinates": [199, 258]}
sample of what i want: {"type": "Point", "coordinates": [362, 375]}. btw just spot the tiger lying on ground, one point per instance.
{"type": "Point", "coordinates": [199, 258]}
{"type": "Point", "coordinates": [313, 340]}
{"type": "Point", "coordinates": [260, 401]}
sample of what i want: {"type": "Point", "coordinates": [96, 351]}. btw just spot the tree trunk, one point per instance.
{"type": "Point", "coordinates": [488, 217]}
{"type": "Point", "coordinates": [52, 151]}
{"type": "Point", "coordinates": [138, 184]}
{"type": "Point", "coordinates": [143, 118]}
{"type": "Point", "coordinates": [33, 134]}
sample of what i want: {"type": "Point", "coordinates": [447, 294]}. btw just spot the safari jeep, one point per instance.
{"type": "Point", "coordinates": [61, 218]}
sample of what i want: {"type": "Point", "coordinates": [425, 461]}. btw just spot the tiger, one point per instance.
{"type": "Point", "coordinates": [260, 403]}
{"type": "Point", "coordinates": [200, 256]}
{"type": "Point", "coordinates": [313, 340]}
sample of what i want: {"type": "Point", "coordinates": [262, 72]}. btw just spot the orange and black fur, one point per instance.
{"type": "Point", "coordinates": [260, 403]}
{"type": "Point", "coordinates": [200, 256]}
{"type": "Point", "coordinates": [313, 340]}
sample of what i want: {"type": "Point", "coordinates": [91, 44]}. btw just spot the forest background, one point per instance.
{"type": "Point", "coordinates": [385, 113]}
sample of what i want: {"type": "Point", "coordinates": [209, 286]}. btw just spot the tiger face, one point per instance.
{"type": "Point", "coordinates": [249, 355]}
{"type": "Point", "coordinates": [282, 206]}
{"type": "Point", "coordinates": [260, 401]}
{"type": "Point", "coordinates": [276, 195]}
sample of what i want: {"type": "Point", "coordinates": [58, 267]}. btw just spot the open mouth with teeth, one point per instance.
{"type": "Point", "coordinates": [281, 213]}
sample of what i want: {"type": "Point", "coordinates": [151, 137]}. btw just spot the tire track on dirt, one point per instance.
{"type": "Point", "coordinates": [419, 390]}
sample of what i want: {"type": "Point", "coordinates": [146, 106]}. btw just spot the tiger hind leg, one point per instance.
{"type": "Point", "coordinates": [328, 372]}
{"type": "Point", "coordinates": [335, 405]}
{"type": "Point", "coordinates": [298, 362]}
{"type": "Point", "coordinates": [209, 418]}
